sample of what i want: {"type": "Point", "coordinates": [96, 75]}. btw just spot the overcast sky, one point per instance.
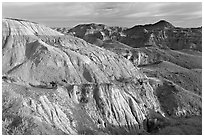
{"type": "Point", "coordinates": [113, 14]}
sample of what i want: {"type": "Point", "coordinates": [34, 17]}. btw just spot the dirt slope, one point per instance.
{"type": "Point", "coordinates": [60, 84]}
{"type": "Point", "coordinates": [63, 83]}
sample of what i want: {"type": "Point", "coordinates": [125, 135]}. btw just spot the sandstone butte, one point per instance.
{"type": "Point", "coordinates": [61, 84]}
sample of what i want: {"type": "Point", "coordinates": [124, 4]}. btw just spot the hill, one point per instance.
{"type": "Point", "coordinates": [59, 84]}
{"type": "Point", "coordinates": [161, 34]}
{"type": "Point", "coordinates": [54, 83]}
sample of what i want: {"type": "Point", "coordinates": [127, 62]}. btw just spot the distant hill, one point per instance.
{"type": "Point", "coordinates": [162, 34]}
{"type": "Point", "coordinates": [86, 80]}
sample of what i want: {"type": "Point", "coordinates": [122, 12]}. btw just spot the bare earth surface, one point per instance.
{"type": "Point", "coordinates": [55, 83]}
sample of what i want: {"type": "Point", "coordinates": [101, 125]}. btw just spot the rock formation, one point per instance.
{"type": "Point", "coordinates": [55, 83]}
{"type": "Point", "coordinates": [61, 84]}
{"type": "Point", "coordinates": [170, 56]}
{"type": "Point", "coordinates": [162, 34]}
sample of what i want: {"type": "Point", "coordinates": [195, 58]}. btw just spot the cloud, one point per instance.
{"type": "Point", "coordinates": [110, 13]}
{"type": "Point", "coordinates": [141, 14]}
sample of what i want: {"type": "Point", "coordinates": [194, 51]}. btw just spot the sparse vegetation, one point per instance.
{"type": "Point", "coordinates": [64, 85]}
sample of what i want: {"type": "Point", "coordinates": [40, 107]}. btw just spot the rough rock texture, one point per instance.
{"type": "Point", "coordinates": [186, 78]}
{"type": "Point", "coordinates": [177, 101]}
{"type": "Point", "coordinates": [78, 61]}
{"type": "Point", "coordinates": [161, 34]}
{"type": "Point", "coordinates": [67, 86]}
{"type": "Point", "coordinates": [94, 33]}
{"type": "Point", "coordinates": [178, 57]}
{"type": "Point", "coordinates": [170, 56]}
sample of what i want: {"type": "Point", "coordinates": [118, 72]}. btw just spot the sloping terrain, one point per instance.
{"type": "Point", "coordinates": [186, 78]}
{"type": "Point", "coordinates": [150, 43]}
{"type": "Point", "coordinates": [60, 84]}
{"type": "Point", "coordinates": [182, 68]}
{"type": "Point", "coordinates": [185, 60]}
{"type": "Point", "coordinates": [179, 92]}
{"type": "Point", "coordinates": [183, 126]}
{"type": "Point", "coordinates": [94, 33]}
{"type": "Point", "coordinates": [151, 55]}
{"type": "Point", "coordinates": [57, 84]}
{"type": "Point", "coordinates": [175, 100]}
{"type": "Point", "coordinates": [171, 57]}
{"type": "Point", "coordinates": [162, 34]}
{"type": "Point", "coordinates": [182, 107]}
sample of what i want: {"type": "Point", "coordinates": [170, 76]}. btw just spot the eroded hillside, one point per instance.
{"type": "Point", "coordinates": [60, 84]}
{"type": "Point", "coordinates": [162, 34]}
{"type": "Point", "coordinates": [170, 56]}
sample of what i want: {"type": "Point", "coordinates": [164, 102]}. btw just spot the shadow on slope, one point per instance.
{"type": "Point", "coordinates": [182, 59]}
{"type": "Point", "coordinates": [186, 78]}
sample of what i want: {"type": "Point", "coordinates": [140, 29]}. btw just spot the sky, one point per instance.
{"type": "Point", "coordinates": [69, 14]}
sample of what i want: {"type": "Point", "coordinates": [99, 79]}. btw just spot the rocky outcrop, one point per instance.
{"type": "Point", "coordinates": [168, 55]}
{"type": "Point", "coordinates": [177, 101]}
{"type": "Point", "coordinates": [162, 34]}
{"type": "Point", "coordinates": [72, 59]}
{"type": "Point", "coordinates": [69, 85]}
{"type": "Point", "coordinates": [94, 33]}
